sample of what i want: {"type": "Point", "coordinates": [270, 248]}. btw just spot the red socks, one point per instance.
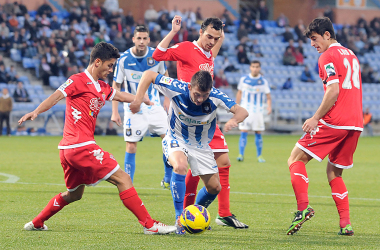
{"type": "Point", "coordinates": [224, 194]}
{"type": "Point", "coordinates": [300, 184]}
{"type": "Point", "coordinates": [340, 195]}
{"type": "Point", "coordinates": [132, 201]}
{"type": "Point", "coordinates": [191, 189]}
{"type": "Point", "coordinates": [53, 207]}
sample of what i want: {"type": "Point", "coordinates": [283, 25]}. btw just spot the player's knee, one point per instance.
{"type": "Point", "coordinates": [72, 197]}
{"type": "Point", "coordinates": [290, 160]}
{"type": "Point", "coordinates": [214, 189]}
{"type": "Point", "coordinates": [180, 168]}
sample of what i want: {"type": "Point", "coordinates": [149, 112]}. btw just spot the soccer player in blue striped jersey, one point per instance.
{"type": "Point", "coordinates": [129, 69]}
{"type": "Point", "coordinates": [253, 89]}
{"type": "Point", "coordinates": [192, 123]}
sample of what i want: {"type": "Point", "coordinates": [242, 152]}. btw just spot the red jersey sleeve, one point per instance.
{"type": "Point", "coordinates": [69, 88]}
{"type": "Point", "coordinates": [177, 52]}
{"type": "Point", "coordinates": [328, 71]}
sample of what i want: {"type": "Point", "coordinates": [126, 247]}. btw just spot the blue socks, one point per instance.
{"type": "Point", "coordinates": [259, 144]}
{"type": "Point", "coordinates": [204, 198]}
{"type": "Point", "coordinates": [168, 170]}
{"type": "Point", "coordinates": [178, 189]}
{"type": "Point", "coordinates": [130, 164]}
{"type": "Point", "coordinates": [242, 142]}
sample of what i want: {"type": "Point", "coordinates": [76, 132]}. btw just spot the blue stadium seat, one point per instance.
{"type": "Point", "coordinates": [16, 55]}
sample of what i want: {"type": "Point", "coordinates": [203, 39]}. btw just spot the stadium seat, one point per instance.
{"type": "Point", "coordinates": [16, 55]}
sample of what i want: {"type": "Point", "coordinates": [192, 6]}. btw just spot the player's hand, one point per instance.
{"type": "Point", "coordinates": [116, 119]}
{"type": "Point", "coordinates": [230, 124]}
{"type": "Point", "coordinates": [176, 23]}
{"type": "Point", "coordinates": [135, 106]}
{"type": "Point", "coordinates": [166, 104]}
{"type": "Point", "coordinates": [310, 124]}
{"type": "Point", "coordinates": [222, 34]}
{"type": "Point", "coordinates": [147, 101]}
{"type": "Point", "coordinates": [29, 116]}
{"type": "Point", "coordinates": [269, 109]}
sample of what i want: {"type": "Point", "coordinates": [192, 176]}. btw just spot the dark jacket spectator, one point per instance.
{"type": "Point", "coordinates": [287, 35]}
{"type": "Point", "coordinates": [220, 80]}
{"type": "Point", "coordinates": [4, 76]}
{"type": "Point", "coordinates": [242, 55]}
{"type": "Point", "coordinates": [282, 21]}
{"type": "Point", "coordinates": [288, 84]}
{"type": "Point", "coordinates": [45, 9]}
{"type": "Point", "coordinates": [129, 21]}
{"type": "Point", "coordinates": [45, 71]}
{"type": "Point", "coordinates": [306, 75]}
{"type": "Point", "coordinates": [263, 11]}
{"type": "Point", "coordinates": [242, 31]}
{"type": "Point", "coordinates": [54, 67]}
{"type": "Point", "coordinates": [299, 29]}
{"type": "Point", "coordinates": [95, 9]}
{"type": "Point", "coordinates": [21, 94]}
{"type": "Point", "coordinates": [258, 28]}
{"type": "Point", "coordinates": [288, 58]}
{"type": "Point", "coordinates": [119, 42]}
{"type": "Point", "coordinates": [55, 25]}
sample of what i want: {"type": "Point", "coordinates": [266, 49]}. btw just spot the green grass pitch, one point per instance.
{"type": "Point", "coordinates": [261, 196]}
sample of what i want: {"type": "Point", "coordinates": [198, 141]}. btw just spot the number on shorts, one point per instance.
{"type": "Point", "coordinates": [128, 122]}
{"type": "Point", "coordinates": [225, 143]}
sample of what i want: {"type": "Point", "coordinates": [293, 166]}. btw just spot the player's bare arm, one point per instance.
{"type": "Point", "coordinates": [238, 96]}
{"type": "Point", "coordinates": [127, 97]}
{"type": "Point", "coordinates": [330, 97]}
{"type": "Point", "coordinates": [240, 114]}
{"type": "Point", "coordinates": [176, 26]}
{"type": "Point", "coordinates": [115, 112]}
{"type": "Point", "coordinates": [218, 45]}
{"type": "Point", "coordinates": [44, 106]}
{"type": "Point", "coordinates": [147, 78]}
{"type": "Point", "coordinates": [269, 103]}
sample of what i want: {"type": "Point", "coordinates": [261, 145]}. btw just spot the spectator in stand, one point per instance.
{"type": "Point", "coordinates": [198, 15]}
{"type": "Point", "coordinates": [291, 46]}
{"type": "Point", "coordinates": [111, 6]}
{"type": "Point", "coordinates": [263, 10]}
{"type": "Point", "coordinates": [226, 19]}
{"type": "Point", "coordinates": [22, 8]}
{"type": "Point", "coordinates": [54, 67]}
{"type": "Point", "coordinates": [120, 24]}
{"type": "Point", "coordinates": [45, 71]}
{"type": "Point", "coordinates": [8, 8]}
{"type": "Point", "coordinates": [300, 48]}
{"type": "Point", "coordinates": [193, 35]}
{"type": "Point", "coordinates": [3, 41]}
{"type": "Point", "coordinates": [129, 21]}
{"type": "Point", "coordinates": [242, 31]}
{"type": "Point", "coordinates": [112, 18]}
{"type": "Point", "coordinates": [13, 22]}
{"type": "Point", "coordinates": [83, 6]}
{"type": "Point", "coordinates": [65, 67]}
{"type": "Point", "coordinates": [287, 35]}
{"type": "Point", "coordinates": [242, 55]}
{"type": "Point", "coordinates": [163, 11]}
{"type": "Point", "coordinates": [20, 94]}
{"type": "Point", "coordinates": [88, 41]}
{"type": "Point", "coordinates": [299, 29]}
{"type": "Point", "coordinates": [288, 58]}
{"type": "Point", "coordinates": [64, 25]}
{"type": "Point", "coordinates": [94, 25]}
{"type": "Point", "coordinates": [6, 106]}
{"type": "Point", "coordinates": [228, 66]}
{"type": "Point", "coordinates": [367, 120]}
{"type": "Point", "coordinates": [85, 58]}
{"type": "Point", "coordinates": [329, 13]}
{"type": "Point", "coordinates": [71, 55]}
{"type": "Point", "coordinates": [155, 35]}
{"type": "Point", "coordinates": [4, 76]}
{"type": "Point", "coordinates": [298, 56]}
{"type": "Point", "coordinates": [75, 12]}
{"type": "Point", "coordinates": [83, 26]}
{"type": "Point", "coordinates": [306, 75]}
{"type": "Point", "coordinates": [175, 12]}
{"type": "Point", "coordinates": [151, 14]}
{"type": "Point", "coordinates": [110, 129]}
{"type": "Point", "coordinates": [288, 84]}
{"type": "Point", "coordinates": [128, 38]}
{"type": "Point", "coordinates": [55, 25]}
{"type": "Point", "coordinates": [113, 32]}
{"type": "Point", "coordinates": [73, 70]}
{"type": "Point", "coordinates": [220, 80]}
{"type": "Point", "coordinates": [367, 73]}
{"type": "Point", "coordinates": [12, 73]}
{"type": "Point", "coordinates": [45, 9]}
{"type": "Point", "coordinates": [258, 28]}
{"type": "Point", "coordinates": [4, 29]}
{"type": "Point", "coordinates": [282, 21]}
{"type": "Point", "coordinates": [256, 49]}
{"type": "Point", "coordinates": [95, 9]}
{"type": "Point", "coordinates": [119, 42]}
{"type": "Point", "coordinates": [72, 40]}
{"type": "Point", "coordinates": [163, 21]}
{"type": "Point", "coordinates": [1, 60]}
{"type": "Point", "coordinates": [181, 36]}
{"type": "Point", "coordinates": [45, 21]}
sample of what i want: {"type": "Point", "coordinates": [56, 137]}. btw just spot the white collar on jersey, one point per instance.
{"type": "Point", "coordinates": [335, 44]}
{"type": "Point", "coordinates": [208, 54]}
{"type": "Point", "coordinates": [147, 50]}
{"type": "Point", "coordinates": [96, 84]}
{"type": "Point", "coordinates": [257, 77]}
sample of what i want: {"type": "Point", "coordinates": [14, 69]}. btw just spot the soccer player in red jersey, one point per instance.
{"type": "Point", "coordinates": [84, 162]}
{"type": "Point", "coordinates": [192, 57]}
{"type": "Point", "coordinates": [335, 127]}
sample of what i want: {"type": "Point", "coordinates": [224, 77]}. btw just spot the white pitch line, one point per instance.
{"type": "Point", "coordinates": [11, 178]}
{"type": "Point", "coordinates": [232, 192]}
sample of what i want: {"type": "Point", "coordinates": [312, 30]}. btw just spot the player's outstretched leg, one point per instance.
{"type": "Point", "coordinates": [299, 218]}
{"type": "Point", "coordinates": [191, 189]}
{"type": "Point", "coordinates": [165, 183]}
{"type": "Point", "coordinates": [178, 189]}
{"type": "Point", "coordinates": [340, 195]}
{"type": "Point", "coordinates": [259, 147]}
{"type": "Point", "coordinates": [242, 145]}
{"type": "Point", "coordinates": [53, 207]}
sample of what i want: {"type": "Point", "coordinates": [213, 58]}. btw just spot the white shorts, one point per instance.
{"type": "Point", "coordinates": [201, 160]}
{"type": "Point", "coordinates": [136, 125]}
{"type": "Point", "coordinates": [254, 122]}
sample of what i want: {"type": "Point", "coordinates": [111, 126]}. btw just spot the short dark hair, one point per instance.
{"type": "Point", "coordinates": [256, 61]}
{"type": "Point", "coordinates": [203, 80]}
{"type": "Point", "coordinates": [215, 23]}
{"type": "Point", "coordinates": [141, 28]}
{"type": "Point", "coordinates": [104, 51]}
{"type": "Point", "coordinates": [320, 25]}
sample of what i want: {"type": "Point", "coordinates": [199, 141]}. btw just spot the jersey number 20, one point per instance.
{"type": "Point", "coordinates": [354, 70]}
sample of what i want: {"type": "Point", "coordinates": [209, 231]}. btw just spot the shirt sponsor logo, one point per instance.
{"type": "Point", "coordinates": [330, 69]}
{"type": "Point", "coordinates": [76, 114]}
{"type": "Point", "coordinates": [183, 118]}
{"type": "Point", "coordinates": [207, 67]}
{"type": "Point", "coordinates": [96, 104]}
{"type": "Point", "coordinates": [136, 76]}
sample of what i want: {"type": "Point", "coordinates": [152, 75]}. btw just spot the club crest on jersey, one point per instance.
{"type": "Point", "coordinates": [104, 96]}
{"type": "Point", "coordinates": [166, 80]}
{"type": "Point", "coordinates": [150, 61]}
{"type": "Point", "coordinates": [259, 81]}
{"type": "Point", "coordinates": [128, 132]}
{"type": "Point", "coordinates": [330, 69]}
{"type": "Point", "coordinates": [206, 107]}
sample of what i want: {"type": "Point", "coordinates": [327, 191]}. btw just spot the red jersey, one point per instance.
{"type": "Point", "coordinates": [84, 99]}
{"type": "Point", "coordinates": [190, 59]}
{"type": "Point", "coordinates": [340, 65]}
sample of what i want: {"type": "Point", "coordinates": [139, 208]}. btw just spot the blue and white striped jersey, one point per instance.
{"type": "Point", "coordinates": [253, 93]}
{"type": "Point", "coordinates": [129, 69]}
{"type": "Point", "coordinates": [189, 123]}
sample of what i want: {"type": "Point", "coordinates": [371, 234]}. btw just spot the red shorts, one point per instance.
{"type": "Point", "coordinates": [86, 165]}
{"type": "Point", "coordinates": [339, 144]}
{"type": "Point", "coordinates": [218, 143]}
